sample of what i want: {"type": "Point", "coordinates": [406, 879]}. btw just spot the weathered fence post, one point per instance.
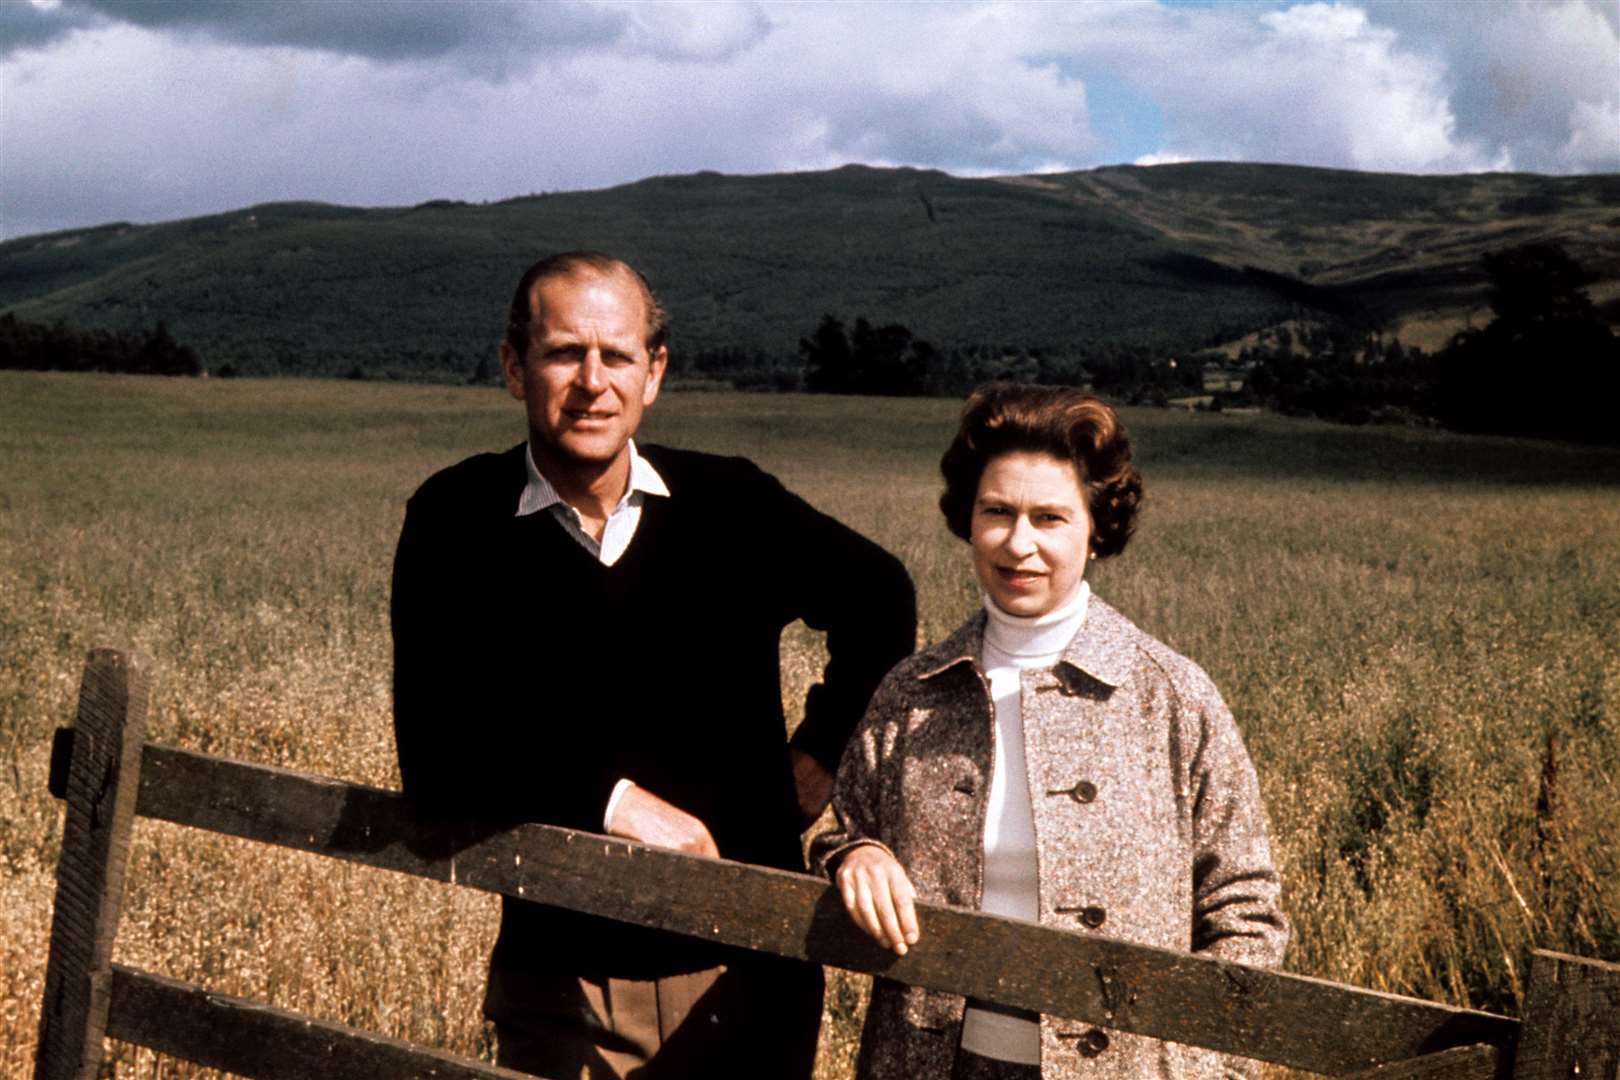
{"type": "Point", "coordinates": [1571, 1020]}
{"type": "Point", "coordinates": [102, 776]}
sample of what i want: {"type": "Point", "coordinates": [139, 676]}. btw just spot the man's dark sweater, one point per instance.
{"type": "Point", "coordinates": [529, 678]}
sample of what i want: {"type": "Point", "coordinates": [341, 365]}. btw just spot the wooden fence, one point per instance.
{"type": "Point", "coordinates": [108, 773]}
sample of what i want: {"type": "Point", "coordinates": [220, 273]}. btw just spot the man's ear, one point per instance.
{"type": "Point", "coordinates": [512, 368]}
{"type": "Point", "coordinates": [656, 366]}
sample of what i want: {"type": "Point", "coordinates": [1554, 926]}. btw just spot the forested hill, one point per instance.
{"type": "Point", "coordinates": [1171, 258]}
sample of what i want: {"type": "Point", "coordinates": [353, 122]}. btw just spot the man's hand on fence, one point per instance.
{"type": "Point", "coordinates": [879, 896]}
{"type": "Point", "coordinates": [814, 786]}
{"type": "Point", "coordinates": [641, 815]}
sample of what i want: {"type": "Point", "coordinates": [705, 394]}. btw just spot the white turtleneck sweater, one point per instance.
{"type": "Point", "coordinates": [1013, 643]}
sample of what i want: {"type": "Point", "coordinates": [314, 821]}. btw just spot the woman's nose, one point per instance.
{"type": "Point", "coordinates": [1021, 537]}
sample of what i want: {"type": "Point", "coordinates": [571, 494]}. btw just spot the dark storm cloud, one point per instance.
{"type": "Point", "coordinates": [388, 32]}
{"type": "Point", "coordinates": [24, 26]}
{"type": "Point", "coordinates": [489, 39]}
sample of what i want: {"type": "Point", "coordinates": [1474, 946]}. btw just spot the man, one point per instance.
{"type": "Point", "coordinates": [586, 634]}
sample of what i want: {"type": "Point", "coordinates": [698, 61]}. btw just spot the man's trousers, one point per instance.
{"type": "Point", "coordinates": [756, 1018]}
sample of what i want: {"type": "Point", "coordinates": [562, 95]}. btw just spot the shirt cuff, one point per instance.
{"type": "Point", "coordinates": [613, 804]}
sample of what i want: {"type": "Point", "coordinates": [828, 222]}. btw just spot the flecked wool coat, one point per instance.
{"type": "Point", "coordinates": [1148, 827]}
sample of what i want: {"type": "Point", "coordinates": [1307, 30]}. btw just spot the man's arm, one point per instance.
{"type": "Point", "coordinates": [862, 598]}
{"type": "Point", "coordinates": [813, 785]}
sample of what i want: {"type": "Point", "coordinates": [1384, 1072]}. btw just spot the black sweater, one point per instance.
{"type": "Point", "coordinates": [529, 678]}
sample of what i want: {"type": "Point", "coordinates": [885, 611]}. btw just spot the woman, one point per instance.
{"type": "Point", "coordinates": [1048, 761]}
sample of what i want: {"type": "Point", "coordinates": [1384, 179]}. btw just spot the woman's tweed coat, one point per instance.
{"type": "Point", "coordinates": [1148, 827]}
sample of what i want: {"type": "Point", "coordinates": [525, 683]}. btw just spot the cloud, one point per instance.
{"type": "Point", "coordinates": [143, 110]}
{"type": "Point", "coordinates": [683, 33]}
{"type": "Point", "coordinates": [1523, 75]}
{"type": "Point", "coordinates": [1594, 137]}
{"type": "Point", "coordinates": [948, 86]}
{"type": "Point", "coordinates": [1312, 83]}
{"type": "Point", "coordinates": [225, 123]}
{"type": "Point", "coordinates": [489, 39]}
{"type": "Point", "coordinates": [26, 25]}
{"type": "Point", "coordinates": [1162, 159]}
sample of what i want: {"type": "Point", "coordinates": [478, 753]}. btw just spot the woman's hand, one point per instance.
{"type": "Point", "coordinates": [879, 896]}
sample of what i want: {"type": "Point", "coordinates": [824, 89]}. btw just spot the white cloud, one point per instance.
{"type": "Point", "coordinates": [1162, 159]}
{"type": "Point", "coordinates": [141, 110]}
{"type": "Point", "coordinates": [1313, 83]}
{"type": "Point", "coordinates": [1594, 137]}
{"type": "Point", "coordinates": [1517, 71]}
{"type": "Point", "coordinates": [946, 86]}
{"type": "Point", "coordinates": [683, 32]}
{"type": "Point", "coordinates": [221, 125]}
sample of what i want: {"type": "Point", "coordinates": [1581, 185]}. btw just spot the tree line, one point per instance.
{"type": "Point", "coordinates": [31, 346]}
{"type": "Point", "coordinates": [890, 361]}
{"type": "Point", "coordinates": [1547, 364]}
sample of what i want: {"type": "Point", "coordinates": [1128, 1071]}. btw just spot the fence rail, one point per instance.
{"type": "Point", "coordinates": [107, 774]}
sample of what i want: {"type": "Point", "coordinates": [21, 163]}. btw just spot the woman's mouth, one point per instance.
{"type": "Point", "coordinates": [1018, 579]}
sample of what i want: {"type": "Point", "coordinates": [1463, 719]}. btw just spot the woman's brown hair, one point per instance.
{"type": "Point", "coordinates": [1065, 423]}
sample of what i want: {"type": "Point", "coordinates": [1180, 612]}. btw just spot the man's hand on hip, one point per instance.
{"type": "Point", "coordinates": [641, 815]}
{"type": "Point", "coordinates": [814, 785]}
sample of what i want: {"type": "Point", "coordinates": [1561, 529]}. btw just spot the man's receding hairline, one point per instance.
{"type": "Point", "coordinates": [582, 267]}
{"type": "Point", "coordinates": [584, 271]}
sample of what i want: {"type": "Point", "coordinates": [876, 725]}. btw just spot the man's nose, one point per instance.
{"type": "Point", "coordinates": [591, 376]}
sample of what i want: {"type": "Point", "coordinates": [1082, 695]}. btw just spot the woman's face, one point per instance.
{"type": "Point", "coordinates": [1031, 532]}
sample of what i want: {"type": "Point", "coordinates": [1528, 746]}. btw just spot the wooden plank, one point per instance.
{"type": "Point", "coordinates": [1289, 1019]}
{"type": "Point", "coordinates": [100, 788]}
{"type": "Point", "coordinates": [1571, 1019]}
{"type": "Point", "coordinates": [1459, 1063]}
{"type": "Point", "coordinates": [249, 1039]}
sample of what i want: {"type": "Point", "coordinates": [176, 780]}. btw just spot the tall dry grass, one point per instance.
{"type": "Point", "coordinates": [1419, 634]}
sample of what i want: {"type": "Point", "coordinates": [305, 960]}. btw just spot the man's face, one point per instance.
{"type": "Point", "coordinates": [588, 374]}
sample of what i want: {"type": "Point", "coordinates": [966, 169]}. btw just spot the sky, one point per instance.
{"type": "Point", "coordinates": [150, 110]}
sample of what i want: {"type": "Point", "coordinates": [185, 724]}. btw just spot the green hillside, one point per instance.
{"type": "Point", "coordinates": [1171, 257]}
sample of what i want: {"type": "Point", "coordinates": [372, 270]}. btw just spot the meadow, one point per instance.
{"type": "Point", "coordinates": [1419, 634]}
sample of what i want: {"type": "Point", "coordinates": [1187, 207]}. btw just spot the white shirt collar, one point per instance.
{"type": "Point", "coordinates": [538, 494]}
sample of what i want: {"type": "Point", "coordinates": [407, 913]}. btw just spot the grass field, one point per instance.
{"type": "Point", "coordinates": [1419, 634]}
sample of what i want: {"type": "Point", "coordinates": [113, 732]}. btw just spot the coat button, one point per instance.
{"type": "Point", "coordinates": [1093, 1042]}
{"type": "Point", "coordinates": [1083, 792]}
{"type": "Point", "coordinates": [1093, 917]}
